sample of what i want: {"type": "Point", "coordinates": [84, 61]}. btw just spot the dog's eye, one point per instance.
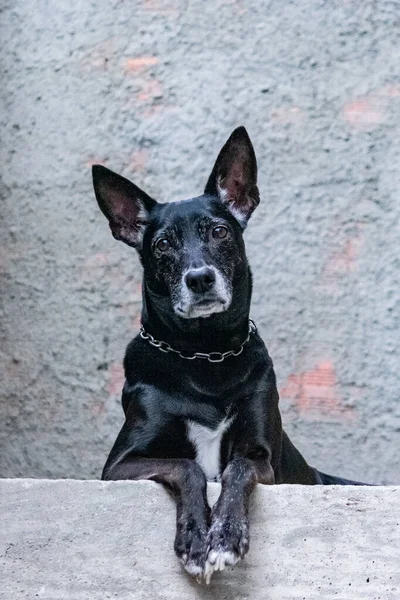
{"type": "Point", "coordinates": [219, 232]}
{"type": "Point", "coordinates": [163, 245]}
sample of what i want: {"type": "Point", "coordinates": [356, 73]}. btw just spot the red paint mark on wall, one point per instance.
{"type": "Point", "coordinates": [147, 100]}
{"type": "Point", "coordinates": [136, 321]}
{"type": "Point", "coordinates": [134, 65]}
{"type": "Point", "coordinates": [99, 259]}
{"type": "Point", "coordinates": [93, 161]}
{"type": "Point", "coordinates": [287, 115]}
{"type": "Point", "coordinates": [366, 113]}
{"type": "Point", "coordinates": [315, 392]}
{"type": "Point", "coordinates": [344, 260]}
{"type": "Point", "coordinates": [369, 111]}
{"type": "Point", "coordinates": [163, 6]}
{"type": "Point", "coordinates": [238, 7]}
{"type": "Point", "coordinates": [153, 110]}
{"type": "Point", "coordinates": [98, 408]}
{"type": "Point", "coordinates": [116, 379]}
{"type": "Point", "coordinates": [94, 267]}
{"type": "Point", "coordinates": [139, 160]}
{"type": "Point", "coordinates": [150, 91]}
{"type": "Point", "coordinates": [391, 91]}
{"type": "Point", "coordinates": [102, 267]}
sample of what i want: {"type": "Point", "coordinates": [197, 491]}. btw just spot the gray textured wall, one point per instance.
{"type": "Point", "coordinates": [152, 89]}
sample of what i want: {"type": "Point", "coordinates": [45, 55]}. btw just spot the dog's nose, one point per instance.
{"type": "Point", "coordinates": [200, 280]}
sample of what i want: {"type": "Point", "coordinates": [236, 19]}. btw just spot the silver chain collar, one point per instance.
{"type": "Point", "coordinates": [213, 357]}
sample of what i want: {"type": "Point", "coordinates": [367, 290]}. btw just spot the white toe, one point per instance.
{"type": "Point", "coordinates": [193, 569]}
{"type": "Point", "coordinates": [217, 561]}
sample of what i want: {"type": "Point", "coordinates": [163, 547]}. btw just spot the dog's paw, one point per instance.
{"type": "Point", "coordinates": [227, 543]}
{"type": "Point", "coordinates": [191, 546]}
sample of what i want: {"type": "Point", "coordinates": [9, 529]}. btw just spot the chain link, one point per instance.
{"type": "Point", "coordinates": [212, 357]}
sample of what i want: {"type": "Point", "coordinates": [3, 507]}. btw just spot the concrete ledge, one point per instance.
{"type": "Point", "coordinates": [90, 540]}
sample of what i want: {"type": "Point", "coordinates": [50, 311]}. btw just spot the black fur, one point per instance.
{"type": "Point", "coordinates": [163, 391]}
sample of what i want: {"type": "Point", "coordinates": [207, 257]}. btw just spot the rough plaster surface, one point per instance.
{"type": "Point", "coordinates": [94, 540]}
{"type": "Point", "coordinates": [152, 89]}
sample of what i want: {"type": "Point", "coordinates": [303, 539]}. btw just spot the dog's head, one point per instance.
{"type": "Point", "coordinates": [192, 250]}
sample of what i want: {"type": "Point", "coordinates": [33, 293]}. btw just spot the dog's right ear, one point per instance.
{"type": "Point", "coordinates": [234, 176]}
{"type": "Point", "coordinates": [126, 206]}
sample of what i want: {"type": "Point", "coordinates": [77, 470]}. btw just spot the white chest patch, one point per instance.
{"type": "Point", "coordinates": [207, 444]}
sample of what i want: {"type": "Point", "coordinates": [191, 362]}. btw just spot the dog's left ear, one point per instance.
{"type": "Point", "coordinates": [234, 176]}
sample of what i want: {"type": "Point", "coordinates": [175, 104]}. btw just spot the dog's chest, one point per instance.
{"type": "Point", "coordinates": [207, 444]}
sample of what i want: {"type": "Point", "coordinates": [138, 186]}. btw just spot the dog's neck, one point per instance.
{"type": "Point", "coordinates": [219, 332]}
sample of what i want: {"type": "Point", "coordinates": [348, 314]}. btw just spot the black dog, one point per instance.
{"type": "Point", "coordinates": [200, 396]}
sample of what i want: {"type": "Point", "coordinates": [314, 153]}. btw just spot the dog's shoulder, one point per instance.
{"type": "Point", "coordinates": [138, 354]}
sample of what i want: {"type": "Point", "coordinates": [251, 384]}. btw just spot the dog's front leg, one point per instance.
{"type": "Point", "coordinates": [187, 482]}
{"type": "Point", "coordinates": [228, 537]}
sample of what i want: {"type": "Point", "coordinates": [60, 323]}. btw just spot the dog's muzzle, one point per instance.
{"type": "Point", "coordinates": [203, 292]}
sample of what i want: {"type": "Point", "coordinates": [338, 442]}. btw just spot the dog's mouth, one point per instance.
{"type": "Point", "coordinates": [201, 308]}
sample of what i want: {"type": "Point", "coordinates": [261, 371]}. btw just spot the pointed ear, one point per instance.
{"type": "Point", "coordinates": [234, 176]}
{"type": "Point", "coordinates": [126, 207]}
